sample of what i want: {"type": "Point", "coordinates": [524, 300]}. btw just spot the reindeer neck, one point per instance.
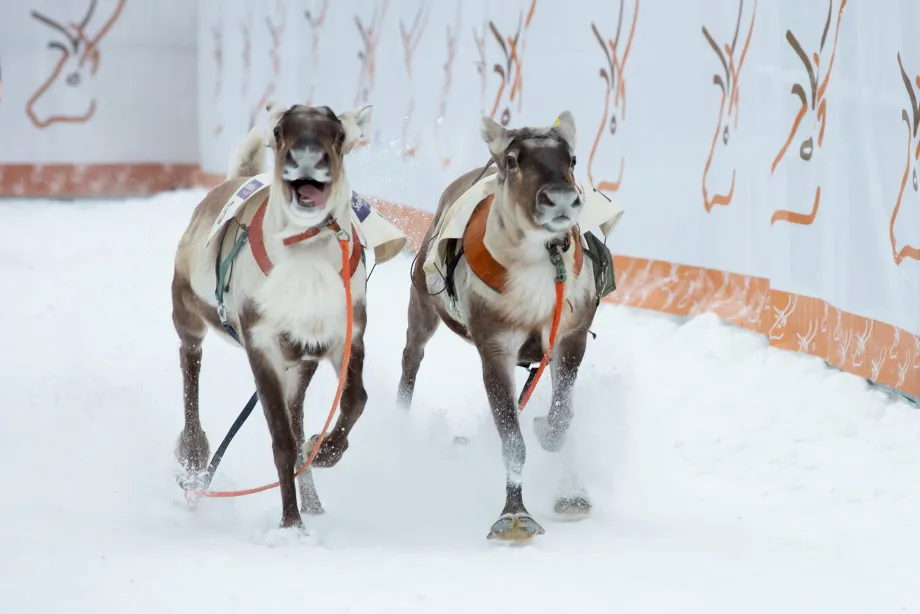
{"type": "Point", "coordinates": [508, 242]}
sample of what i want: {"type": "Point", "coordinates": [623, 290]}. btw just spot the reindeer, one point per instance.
{"type": "Point", "coordinates": [500, 294]}
{"type": "Point", "coordinates": [813, 109]}
{"type": "Point", "coordinates": [444, 149]}
{"type": "Point", "coordinates": [285, 297]}
{"type": "Point", "coordinates": [316, 22]}
{"type": "Point", "coordinates": [912, 119]}
{"type": "Point", "coordinates": [615, 82]}
{"type": "Point", "coordinates": [728, 107]}
{"type": "Point", "coordinates": [276, 32]}
{"type": "Point", "coordinates": [511, 72]}
{"type": "Point", "coordinates": [410, 40]}
{"type": "Point", "coordinates": [78, 62]}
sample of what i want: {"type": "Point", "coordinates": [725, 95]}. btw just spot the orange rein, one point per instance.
{"type": "Point", "coordinates": [343, 373]}
{"type": "Point", "coordinates": [557, 316]}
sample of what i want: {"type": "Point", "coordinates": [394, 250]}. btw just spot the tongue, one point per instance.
{"type": "Point", "coordinates": [312, 194]}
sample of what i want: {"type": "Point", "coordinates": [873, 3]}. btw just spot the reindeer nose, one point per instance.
{"type": "Point", "coordinates": [560, 197]}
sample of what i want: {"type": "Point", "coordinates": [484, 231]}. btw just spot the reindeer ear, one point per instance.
{"type": "Point", "coordinates": [565, 127]}
{"type": "Point", "coordinates": [494, 134]}
{"type": "Point", "coordinates": [357, 123]}
{"type": "Point", "coordinates": [275, 111]}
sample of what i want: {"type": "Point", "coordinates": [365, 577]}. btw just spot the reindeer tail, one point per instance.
{"type": "Point", "coordinates": [249, 157]}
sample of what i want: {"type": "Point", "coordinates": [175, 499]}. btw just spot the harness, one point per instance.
{"type": "Point", "coordinates": [254, 235]}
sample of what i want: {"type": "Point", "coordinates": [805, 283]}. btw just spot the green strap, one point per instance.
{"type": "Point", "coordinates": [241, 240]}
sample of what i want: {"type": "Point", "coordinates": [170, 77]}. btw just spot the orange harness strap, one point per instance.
{"type": "Point", "coordinates": [257, 241]}
{"type": "Point", "coordinates": [480, 260]}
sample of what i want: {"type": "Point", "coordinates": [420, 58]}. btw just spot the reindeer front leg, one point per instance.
{"type": "Point", "coordinates": [302, 376]}
{"type": "Point", "coordinates": [571, 499]}
{"type": "Point", "coordinates": [515, 522]}
{"type": "Point", "coordinates": [354, 398]}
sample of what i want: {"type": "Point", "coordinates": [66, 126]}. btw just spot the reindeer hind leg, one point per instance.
{"type": "Point", "coordinates": [422, 323]}
{"type": "Point", "coordinates": [309, 498]}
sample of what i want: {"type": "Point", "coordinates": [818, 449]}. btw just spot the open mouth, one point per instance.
{"type": "Point", "coordinates": [309, 193]}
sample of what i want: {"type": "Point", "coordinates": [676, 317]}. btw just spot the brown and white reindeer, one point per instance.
{"type": "Point", "coordinates": [285, 299]}
{"type": "Point", "coordinates": [720, 163]}
{"type": "Point", "coordinates": [615, 82]}
{"type": "Point", "coordinates": [811, 117]}
{"type": "Point", "coordinates": [502, 297]}
{"type": "Point", "coordinates": [77, 64]}
{"type": "Point", "coordinates": [911, 247]}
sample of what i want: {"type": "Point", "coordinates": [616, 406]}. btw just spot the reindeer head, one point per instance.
{"type": "Point", "coordinates": [536, 182]}
{"type": "Point", "coordinates": [718, 189]}
{"type": "Point", "coordinates": [612, 74]}
{"type": "Point", "coordinates": [809, 122]}
{"type": "Point", "coordinates": [309, 145]}
{"type": "Point", "coordinates": [77, 63]}
{"type": "Point", "coordinates": [912, 119]}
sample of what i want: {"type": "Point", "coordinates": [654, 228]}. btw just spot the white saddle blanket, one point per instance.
{"type": "Point", "coordinates": [378, 233]}
{"type": "Point", "coordinates": [599, 212]}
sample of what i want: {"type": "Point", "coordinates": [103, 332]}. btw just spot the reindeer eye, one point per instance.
{"type": "Point", "coordinates": [725, 135]}
{"type": "Point", "coordinates": [73, 79]}
{"type": "Point", "coordinates": [613, 124]}
{"type": "Point", "coordinates": [506, 116]}
{"type": "Point", "coordinates": [916, 186]}
{"type": "Point", "coordinates": [277, 133]}
{"type": "Point", "coordinates": [574, 159]}
{"type": "Point", "coordinates": [511, 161]}
{"type": "Point", "coordinates": [807, 148]}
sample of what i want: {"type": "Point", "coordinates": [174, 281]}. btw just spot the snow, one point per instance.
{"type": "Point", "coordinates": [726, 476]}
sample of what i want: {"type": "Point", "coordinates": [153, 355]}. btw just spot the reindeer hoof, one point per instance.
{"type": "Point", "coordinates": [550, 439]}
{"type": "Point", "coordinates": [572, 508]}
{"type": "Point", "coordinates": [515, 528]}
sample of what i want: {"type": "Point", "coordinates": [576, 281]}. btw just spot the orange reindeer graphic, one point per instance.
{"type": "Point", "coordinates": [410, 40]}
{"type": "Point", "coordinates": [815, 107]}
{"type": "Point", "coordinates": [78, 62]}
{"type": "Point", "coordinates": [246, 51]}
{"type": "Point", "coordinates": [614, 81]}
{"type": "Point", "coordinates": [729, 101]}
{"type": "Point", "coordinates": [276, 32]}
{"type": "Point", "coordinates": [316, 20]}
{"type": "Point", "coordinates": [512, 71]}
{"type": "Point", "coordinates": [481, 65]}
{"type": "Point", "coordinates": [912, 119]}
{"type": "Point", "coordinates": [370, 39]}
{"type": "Point", "coordinates": [441, 138]}
{"type": "Point", "coordinates": [218, 34]}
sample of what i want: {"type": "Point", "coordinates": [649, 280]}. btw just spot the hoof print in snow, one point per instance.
{"type": "Point", "coordinates": [285, 536]}
{"type": "Point", "coordinates": [515, 528]}
{"type": "Point", "coordinates": [572, 508]}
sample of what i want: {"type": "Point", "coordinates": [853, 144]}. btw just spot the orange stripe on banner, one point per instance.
{"type": "Point", "coordinates": [868, 348]}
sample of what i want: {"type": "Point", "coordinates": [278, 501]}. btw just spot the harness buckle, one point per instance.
{"type": "Point", "coordinates": [222, 312]}
{"type": "Point", "coordinates": [555, 256]}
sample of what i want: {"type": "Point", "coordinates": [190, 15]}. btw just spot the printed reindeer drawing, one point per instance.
{"type": "Point", "coordinates": [78, 62]}
{"type": "Point", "coordinates": [441, 138]}
{"type": "Point", "coordinates": [812, 112]}
{"type": "Point", "coordinates": [276, 32]}
{"type": "Point", "coordinates": [511, 73]}
{"type": "Point", "coordinates": [912, 119]}
{"type": "Point", "coordinates": [370, 39]}
{"type": "Point", "coordinates": [410, 40]}
{"type": "Point", "coordinates": [316, 19]}
{"type": "Point", "coordinates": [218, 33]}
{"type": "Point", "coordinates": [481, 63]}
{"type": "Point", "coordinates": [719, 160]}
{"type": "Point", "coordinates": [246, 52]}
{"type": "Point", "coordinates": [614, 80]}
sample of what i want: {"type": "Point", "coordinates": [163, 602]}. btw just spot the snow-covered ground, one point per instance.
{"type": "Point", "coordinates": [726, 476]}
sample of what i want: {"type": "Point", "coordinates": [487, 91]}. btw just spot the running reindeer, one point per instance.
{"type": "Point", "coordinates": [520, 243]}
{"type": "Point", "coordinates": [615, 82]}
{"type": "Point", "coordinates": [729, 103]}
{"type": "Point", "coordinates": [285, 302]}
{"type": "Point", "coordinates": [813, 110]}
{"type": "Point", "coordinates": [912, 119]}
{"type": "Point", "coordinates": [77, 64]}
